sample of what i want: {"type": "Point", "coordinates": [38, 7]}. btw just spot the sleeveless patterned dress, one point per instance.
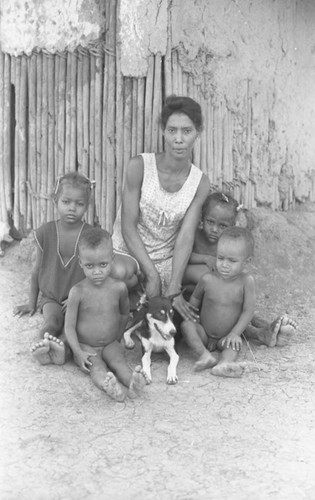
{"type": "Point", "coordinates": [160, 216]}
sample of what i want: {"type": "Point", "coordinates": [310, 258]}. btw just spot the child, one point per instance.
{"type": "Point", "coordinates": [227, 299]}
{"type": "Point", "coordinates": [96, 317]}
{"type": "Point", "coordinates": [56, 267]}
{"type": "Point", "coordinates": [219, 212]}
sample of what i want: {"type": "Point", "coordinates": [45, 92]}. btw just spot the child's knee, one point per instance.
{"type": "Point", "coordinates": [187, 327]}
{"type": "Point", "coordinates": [184, 325]}
{"type": "Point", "coordinates": [54, 326]}
{"type": "Point", "coordinates": [123, 271]}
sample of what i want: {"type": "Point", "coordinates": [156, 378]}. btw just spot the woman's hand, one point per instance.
{"type": "Point", "coordinates": [24, 309]}
{"type": "Point", "coordinates": [153, 285]}
{"type": "Point", "coordinates": [186, 310]}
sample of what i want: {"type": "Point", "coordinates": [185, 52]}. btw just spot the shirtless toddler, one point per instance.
{"type": "Point", "coordinates": [219, 212]}
{"type": "Point", "coordinates": [97, 313]}
{"type": "Point", "coordinates": [227, 299]}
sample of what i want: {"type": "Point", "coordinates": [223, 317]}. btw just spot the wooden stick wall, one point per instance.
{"type": "Point", "coordinates": [75, 111]}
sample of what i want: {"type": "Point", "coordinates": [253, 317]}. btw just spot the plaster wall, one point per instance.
{"type": "Point", "coordinates": [143, 31]}
{"type": "Point", "coordinates": [262, 50]}
{"type": "Point", "coordinates": [53, 26]}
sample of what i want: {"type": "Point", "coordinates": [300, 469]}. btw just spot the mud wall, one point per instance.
{"type": "Point", "coordinates": [258, 58]}
{"type": "Point", "coordinates": [53, 26]}
{"type": "Point", "coordinates": [254, 59]}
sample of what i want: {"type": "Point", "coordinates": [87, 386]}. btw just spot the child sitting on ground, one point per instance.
{"type": "Point", "coordinates": [219, 212]}
{"type": "Point", "coordinates": [227, 300]}
{"type": "Point", "coordinates": [56, 269]}
{"type": "Point", "coordinates": [96, 317]}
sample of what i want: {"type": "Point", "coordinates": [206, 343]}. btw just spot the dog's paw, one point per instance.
{"type": "Point", "coordinates": [172, 380]}
{"type": "Point", "coordinates": [129, 343]}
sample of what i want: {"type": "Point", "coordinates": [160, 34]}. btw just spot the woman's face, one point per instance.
{"type": "Point", "coordinates": [180, 134]}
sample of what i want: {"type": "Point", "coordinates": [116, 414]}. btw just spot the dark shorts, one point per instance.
{"type": "Point", "coordinates": [46, 300]}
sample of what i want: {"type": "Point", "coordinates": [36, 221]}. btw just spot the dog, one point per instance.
{"type": "Point", "coordinates": [153, 323]}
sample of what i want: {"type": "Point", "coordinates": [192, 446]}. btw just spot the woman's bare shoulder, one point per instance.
{"type": "Point", "coordinates": [136, 162]}
{"type": "Point", "coordinates": [134, 171]}
{"type": "Point", "coordinates": [204, 183]}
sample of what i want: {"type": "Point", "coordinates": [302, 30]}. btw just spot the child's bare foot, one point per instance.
{"type": "Point", "coordinates": [288, 326]}
{"type": "Point", "coordinates": [50, 350]}
{"type": "Point", "coordinates": [40, 351]}
{"type": "Point", "coordinates": [270, 334]}
{"type": "Point", "coordinates": [234, 370]}
{"type": "Point", "coordinates": [112, 387]}
{"type": "Point", "coordinates": [205, 361]}
{"type": "Point", "coordinates": [57, 350]}
{"type": "Point", "coordinates": [138, 380]}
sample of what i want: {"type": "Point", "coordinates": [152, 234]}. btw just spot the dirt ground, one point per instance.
{"type": "Point", "coordinates": [205, 438]}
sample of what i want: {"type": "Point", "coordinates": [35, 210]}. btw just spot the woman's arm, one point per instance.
{"type": "Point", "coordinates": [185, 239]}
{"type": "Point", "coordinates": [129, 221]}
{"type": "Point", "coordinates": [184, 244]}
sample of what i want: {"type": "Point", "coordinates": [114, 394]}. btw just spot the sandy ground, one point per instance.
{"type": "Point", "coordinates": [205, 438]}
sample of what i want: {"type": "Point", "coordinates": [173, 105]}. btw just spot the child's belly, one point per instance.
{"type": "Point", "coordinates": [218, 321]}
{"type": "Point", "coordinates": [97, 333]}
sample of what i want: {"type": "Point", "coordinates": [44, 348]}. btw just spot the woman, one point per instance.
{"type": "Point", "coordinates": [161, 206]}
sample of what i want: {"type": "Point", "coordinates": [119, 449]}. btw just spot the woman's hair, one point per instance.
{"type": "Point", "coordinates": [240, 233]}
{"type": "Point", "coordinates": [218, 198]}
{"type": "Point", "coordinates": [93, 237]}
{"type": "Point", "coordinates": [181, 104]}
{"type": "Point", "coordinates": [75, 180]}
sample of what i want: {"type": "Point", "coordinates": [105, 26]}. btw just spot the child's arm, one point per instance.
{"type": "Point", "coordinates": [198, 258]}
{"type": "Point", "coordinates": [34, 290]}
{"type": "Point", "coordinates": [202, 252]}
{"type": "Point", "coordinates": [233, 339]}
{"type": "Point", "coordinates": [81, 357]}
{"type": "Point", "coordinates": [124, 308]}
{"type": "Point", "coordinates": [198, 293]}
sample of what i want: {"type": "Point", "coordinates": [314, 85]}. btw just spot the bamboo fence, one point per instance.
{"type": "Point", "coordinates": [76, 111]}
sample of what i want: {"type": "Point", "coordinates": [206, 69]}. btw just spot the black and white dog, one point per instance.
{"type": "Point", "coordinates": [153, 324]}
